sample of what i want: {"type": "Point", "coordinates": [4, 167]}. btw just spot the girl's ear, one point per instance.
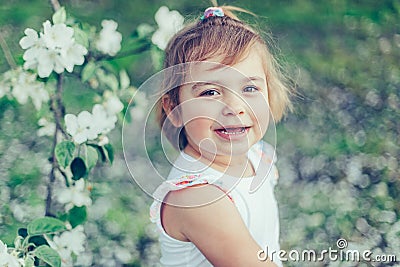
{"type": "Point", "coordinates": [172, 112]}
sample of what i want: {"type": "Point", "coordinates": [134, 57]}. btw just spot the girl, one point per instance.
{"type": "Point", "coordinates": [222, 88]}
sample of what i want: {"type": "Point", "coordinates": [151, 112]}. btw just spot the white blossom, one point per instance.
{"type": "Point", "coordinates": [80, 127]}
{"type": "Point", "coordinates": [46, 128]}
{"type": "Point", "coordinates": [75, 195]}
{"type": "Point", "coordinates": [19, 211]}
{"type": "Point", "coordinates": [144, 29]}
{"type": "Point", "coordinates": [84, 259]}
{"type": "Point", "coordinates": [5, 84]}
{"type": "Point", "coordinates": [4, 89]}
{"type": "Point", "coordinates": [23, 85]}
{"type": "Point", "coordinates": [89, 126]}
{"type": "Point", "coordinates": [54, 49]}
{"type": "Point", "coordinates": [20, 87]}
{"type": "Point", "coordinates": [112, 104]}
{"type": "Point", "coordinates": [38, 96]}
{"type": "Point", "coordinates": [103, 140]}
{"type": "Point", "coordinates": [8, 260]}
{"type": "Point", "coordinates": [109, 41]}
{"type": "Point", "coordinates": [124, 81]}
{"type": "Point", "coordinates": [123, 254]}
{"type": "Point", "coordinates": [138, 112]}
{"type": "Point", "coordinates": [58, 36]}
{"type": "Point", "coordinates": [169, 23]}
{"type": "Point", "coordinates": [74, 56]}
{"type": "Point", "coordinates": [30, 40]}
{"type": "Point", "coordinates": [65, 255]}
{"type": "Point", "coordinates": [102, 121]}
{"type": "Point", "coordinates": [49, 60]}
{"type": "Point", "coordinates": [67, 243]}
{"type": "Point", "coordinates": [34, 45]}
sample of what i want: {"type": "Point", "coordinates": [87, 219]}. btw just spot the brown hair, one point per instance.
{"type": "Point", "coordinates": [202, 40]}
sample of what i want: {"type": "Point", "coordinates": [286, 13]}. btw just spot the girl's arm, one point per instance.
{"type": "Point", "coordinates": [217, 229]}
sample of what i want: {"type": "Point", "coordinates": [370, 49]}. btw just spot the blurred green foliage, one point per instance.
{"type": "Point", "coordinates": [338, 152]}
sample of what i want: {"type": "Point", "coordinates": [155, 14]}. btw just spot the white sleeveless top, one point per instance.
{"type": "Point", "coordinates": [253, 197]}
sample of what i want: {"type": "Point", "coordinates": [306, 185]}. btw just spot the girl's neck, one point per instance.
{"type": "Point", "coordinates": [237, 166]}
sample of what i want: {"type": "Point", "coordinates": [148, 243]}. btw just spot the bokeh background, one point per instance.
{"type": "Point", "coordinates": [338, 151]}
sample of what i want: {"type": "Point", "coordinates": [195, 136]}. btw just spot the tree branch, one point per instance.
{"type": "Point", "coordinates": [58, 110]}
{"type": "Point", "coordinates": [52, 177]}
{"type": "Point", "coordinates": [57, 107]}
{"type": "Point", "coordinates": [7, 53]}
{"type": "Point", "coordinates": [55, 4]}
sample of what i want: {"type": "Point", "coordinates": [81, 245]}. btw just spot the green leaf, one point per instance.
{"type": "Point", "coordinates": [29, 262]}
{"type": "Point", "coordinates": [107, 153]}
{"type": "Point", "coordinates": [91, 157]}
{"type": "Point", "coordinates": [45, 225]}
{"type": "Point", "coordinates": [102, 152]}
{"type": "Point", "coordinates": [109, 80]}
{"type": "Point", "coordinates": [63, 217]}
{"type": "Point", "coordinates": [48, 255]}
{"type": "Point", "coordinates": [60, 16]}
{"type": "Point", "coordinates": [77, 215]}
{"type": "Point", "coordinates": [64, 153]}
{"type": "Point", "coordinates": [110, 153]}
{"type": "Point", "coordinates": [38, 240]}
{"type": "Point", "coordinates": [23, 232]}
{"type": "Point", "coordinates": [88, 71]}
{"type": "Point", "coordinates": [109, 67]}
{"type": "Point", "coordinates": [78, 168]}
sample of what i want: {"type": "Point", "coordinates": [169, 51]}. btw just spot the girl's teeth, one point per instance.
{"type": "Point", "coordinates": [233, 131]}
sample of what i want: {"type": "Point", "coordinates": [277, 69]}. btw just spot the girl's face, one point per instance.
{"type": "Point", "coordinates": [224, 109]}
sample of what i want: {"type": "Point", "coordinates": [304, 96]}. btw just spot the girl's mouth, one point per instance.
{"type": "Point", "coordinates": [232, 132]}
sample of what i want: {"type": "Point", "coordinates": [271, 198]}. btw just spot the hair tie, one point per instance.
{"type": "Point", "coordinates": [212, 12]}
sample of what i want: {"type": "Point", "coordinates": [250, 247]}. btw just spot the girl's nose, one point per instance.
{"type": "Point", "coordinates": [233, 105]}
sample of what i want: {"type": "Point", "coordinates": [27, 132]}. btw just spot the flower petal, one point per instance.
{"type": "Point", "coordinates": [84, 119]}
{"type": "Point", "coordinates": [64, 196]}
{"type": "Point", "coordinates": [30, 39]}
{"type": "Point", "coordinates": [71, 123]}
{"type": "Point", "coordinates": [80, 137]}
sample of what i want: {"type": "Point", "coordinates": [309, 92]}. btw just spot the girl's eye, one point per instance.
{"type": "Point", "coordinates": [250, 89]}
{"type": "Point", "coordinates": [209, 92]}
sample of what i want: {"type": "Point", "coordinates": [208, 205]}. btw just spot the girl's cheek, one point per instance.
{"type": "Point", "coordinates": [197, 108]}
{"type": "Point", "coordinates": [260, 111]}
{"type": "Point", "coordinates": [258, 106]}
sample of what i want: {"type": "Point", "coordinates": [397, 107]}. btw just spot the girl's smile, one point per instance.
{"type": "Point", "coordinates": [232, 132]}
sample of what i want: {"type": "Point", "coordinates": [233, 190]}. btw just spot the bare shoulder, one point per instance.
{"type": "Point", "coordinates": [195, 203]}
{"type": "Point", "coordinates": [207, 217]}
{"type": "Point", "coordinates": [195, 196]}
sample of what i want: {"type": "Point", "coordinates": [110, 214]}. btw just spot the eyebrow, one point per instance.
{"type": "Point", "coordinates": [219, 83]}
{"type": "Point", "coordinates": [196, 85]}
{"type": "Point", "coordinates": [254, 78]}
